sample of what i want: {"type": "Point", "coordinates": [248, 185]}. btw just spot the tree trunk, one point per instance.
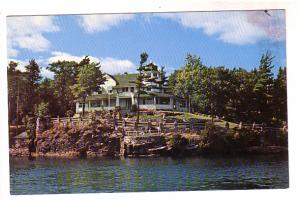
{"type": "Point", "coordinates": [83, 107]}
{"type": "Point", "coordinates": [138, 107]}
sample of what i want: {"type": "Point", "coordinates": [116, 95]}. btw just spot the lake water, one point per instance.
{"type": "Point", "coordinates": [45, 176]}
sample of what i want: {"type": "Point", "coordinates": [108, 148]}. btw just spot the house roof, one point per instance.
{"type": "Point", "coordinates": [151, 94]}
{"type": "Point", "coordinates": [125, 79]}
{"type": "Point", "coordinates": [96, 97]}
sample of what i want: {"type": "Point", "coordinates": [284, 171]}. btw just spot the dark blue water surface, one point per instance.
{"type": "Point", "coordinates": [44, 176]}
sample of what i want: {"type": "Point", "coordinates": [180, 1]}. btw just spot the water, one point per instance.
{"type": "Point", "coordinates": [45, 176]}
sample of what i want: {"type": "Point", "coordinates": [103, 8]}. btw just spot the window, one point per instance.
{"type": "Point", "coordinates": [110, 91]}
{"type": "Point", "coordinates": [105, 102]}
{"type": "Point", "coordinates": [142, 101]}
{"type": "Point", "coordinates": [95, 104]}
{"type": "Point", "coordinates": [125, 89]}
{"type": "Point", "coordinates": [164, 100]}
{"type": "Point", "coordinates": [132, 89]}
{"type": "Point", "coordinates": [182, 104]}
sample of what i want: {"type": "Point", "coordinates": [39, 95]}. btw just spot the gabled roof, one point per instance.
{"type": "Point", "coordinates": [125, 79]}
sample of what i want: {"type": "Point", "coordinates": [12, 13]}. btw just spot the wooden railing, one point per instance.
{"type": "Point", "coordinates": [130, 127]}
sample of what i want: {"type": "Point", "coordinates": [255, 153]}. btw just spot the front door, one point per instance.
{"type": "Point", "coordinates": [128, 104]}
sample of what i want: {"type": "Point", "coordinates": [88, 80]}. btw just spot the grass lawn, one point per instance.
{"type": "Point", "coordinates": [186, 116]}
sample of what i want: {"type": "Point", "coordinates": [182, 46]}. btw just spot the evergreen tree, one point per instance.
{"type": "Point", "coordinates": [140, 82]}
{"type": "Point", "coordinates": [88, 80]}
{"type": "Point", "coordinates": [280, 96]}
{"type": "Point", "coordinates": [264, 88]}
{"type": "Point", "coordinates": [33, 78]}
{"type": "Point", "coordinates": [45, 91]}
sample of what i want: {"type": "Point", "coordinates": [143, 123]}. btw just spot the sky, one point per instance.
{"type": "Point", "coordinates": [224, 38]}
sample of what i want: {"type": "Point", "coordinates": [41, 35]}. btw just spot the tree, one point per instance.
{"type": "Point", "coordinates": [17, 93]}
{"type": "Point", "coordinates": [12, 90]}
{"type": "Point", "coordinates": [33, 78]}
{"type": "Point", "coordinates": [186, 81]}
{"type": "Point", "coordinates": [41, 109]}
{"type": "Point", "coordinates": [264, 88]}
{"type": "Point", "coordinates": [88, 80]}
{"type": "Point", "coordinates": [46, 90]}
{"type": "Point", "coordinates": [65, 73]}
{"type": "Point", "coordinates": [140, 81]}
{"type": "Point", "coordinates": [280, 96]}
{"type": "Point", "coordinates": [162, 81]}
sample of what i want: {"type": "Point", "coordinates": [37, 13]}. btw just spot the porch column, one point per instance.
{"type": "Point", "coordinates": [171, 103]}
{"type": "Point", "coordinates": [154, 100]}
{"type": "Point", "coordinates": [108, 100]}
{"type": "Point", "coordinates": [117, 101]}
{"type": "Point", "coordinates": [102, 103]}
{"type": "Point", "coordinates": [132, 99]}
{"type": "Point", "coordinates": [89, 108]}
{"type": "Point", "coordinates": [77, 107]}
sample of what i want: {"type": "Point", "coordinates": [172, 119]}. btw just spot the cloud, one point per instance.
{"type": "Point", "coordinates": [57, 55]}
{"type": "Point", "coordinates": [27, 32]}
{"type": "Point", "coordinates": [108, 64]}
{"type": "Point", "coordinates": [44, 72]}
{"type": "Point", "coordinates": [236, 27]}
{"type": "Point", "coordinates": [103, 22]}
{"type": "Point", "coordinates": [115, 66]}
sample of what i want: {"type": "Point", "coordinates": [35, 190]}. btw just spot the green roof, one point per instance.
{"type": "Point", "coordinates": [96, 97]}
{"type": "Point", "coordinates": [125, 79]}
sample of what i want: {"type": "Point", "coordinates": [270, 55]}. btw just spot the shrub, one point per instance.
{"type": "Point", "coordinates": [70, 113]}
{"type": "Point", "coordinates": [42, 109]}
{"type": "Point", "coordinates": [134, 108]}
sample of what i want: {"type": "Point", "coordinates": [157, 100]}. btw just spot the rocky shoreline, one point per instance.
{"type": "Point", "coordinates": [99, 140]}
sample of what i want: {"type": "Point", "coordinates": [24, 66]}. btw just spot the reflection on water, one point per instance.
{"type": "Point", "coordinates": [148, 174]}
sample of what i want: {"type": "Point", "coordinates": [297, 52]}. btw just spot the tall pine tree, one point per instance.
{"type": "Point", "coordinates": [264, 88]}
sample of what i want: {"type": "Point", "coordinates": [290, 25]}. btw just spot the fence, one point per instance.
{"type": "Point", "coordinates": [131, 128]}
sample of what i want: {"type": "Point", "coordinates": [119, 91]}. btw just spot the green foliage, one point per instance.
{"type": "Point", "coordinates": [280, 96]}
{"type": "Point", "coordinates": [22, 90]}
{"type": "Point", "coordinates": [264, 88]}
{"type": "Point", "coordinates": [30, 125]}
{"type": "Point", "coordinates": [139, 81]}
{"type": "Point", "coordinates": [88, 80]}
{"type": "Point", "coordinates": [65, 73]}
{"type": "Point", "coordinates": [70, 113]}
{"type": "Point", "coordinates": [33, 77]}
{"type": "Point", "coordinates": [42, 109]}
{"type": "Point", "coordinates": [237, 95]}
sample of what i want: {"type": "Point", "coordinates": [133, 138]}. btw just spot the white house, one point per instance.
{"type": "Point", "coordinates": [120, 91]}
